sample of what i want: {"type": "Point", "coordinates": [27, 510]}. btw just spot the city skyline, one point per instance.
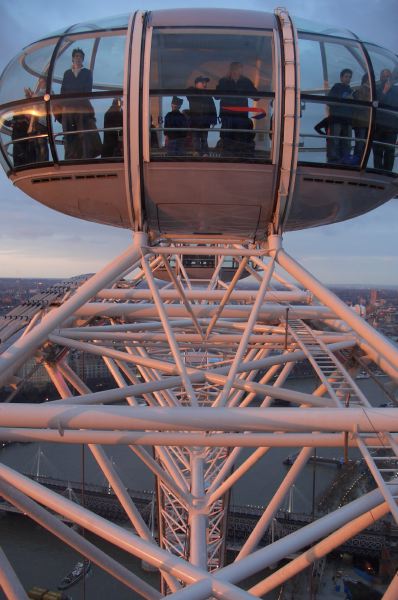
{"type": "Point", "coordinates": [38, 242]}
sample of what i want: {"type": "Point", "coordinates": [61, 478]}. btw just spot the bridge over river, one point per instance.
{"type": "Point", "coordinates": [241, 520]}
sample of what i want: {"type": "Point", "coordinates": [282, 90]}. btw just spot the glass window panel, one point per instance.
{"type": "Point", "coordinates": [180, 133]}
{"type": "Point", "coordinates": [107, 23]}
{"type": "Point", "coordinates": [385, 67]}
{"type": "Point", "coordinates": [323, 60]}
{"type": "Point", "coordinates": [25, 71]}
{"type": "Point", "coordinates": [24, 135]}
{"type": "Point", "coordinates": [385, 151]}
{"type": "Point", "coordinates": [108, 70]}
{"type": "Point", "coordinates": [311, 69]}
{"type": "Point", "coordinates": [103, 56]}
{"type": "Point", "coordinates": [345, 56]}
{"type": "Point", "coordinates": [331, 137]}
{"type": "Point", "coordinates": [306, 25]}
{"type": "Point", "coordinates": [178, 57]}
{"type": "Point", "coordinates": [87, 129]}
{"type": "Point", "coordinates": [63, 61]}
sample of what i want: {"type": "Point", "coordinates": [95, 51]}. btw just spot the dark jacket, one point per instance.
{"type": "Point", "coordinates": [242, 86]}
{"type": "Point", "coordinates": [340, 112]}
{"type": "Point", "coordinates": [387, 120]}
{"type": "Point", "coordinates": [82, 83]}
{"type": "Point", "coordinates": [202, 109]}
{"type": "Point", "coordinates": [175, 119]}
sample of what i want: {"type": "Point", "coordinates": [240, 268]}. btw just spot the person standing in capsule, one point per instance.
{"type": "Point", "coordinates": [175, 129]}
{"type": "Point", "coordinates": [234, 111]}
{"type": "Point", "coordinates": [203, 115]}
{"type": "Point", "coordinates": [78, 114]}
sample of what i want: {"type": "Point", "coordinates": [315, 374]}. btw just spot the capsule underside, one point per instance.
{"type": "Point", "coordinates": [260, 139]}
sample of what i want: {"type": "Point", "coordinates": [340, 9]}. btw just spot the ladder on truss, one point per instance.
{"type": "Point", "coordinates": [338, 382]}
{"type": "Point", "coordinates": [383, 464]}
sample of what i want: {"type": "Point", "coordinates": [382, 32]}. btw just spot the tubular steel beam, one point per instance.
{"type": "Point", "coordinates": [366, 420]}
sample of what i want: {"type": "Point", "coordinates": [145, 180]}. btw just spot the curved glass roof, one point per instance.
{"type": "Point", "coordinates": [308, 26]}
{"type": "Point", "coordinates": [115, 22]}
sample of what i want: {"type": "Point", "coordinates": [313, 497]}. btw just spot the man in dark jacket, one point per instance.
{"type": "Point", "coordinates": [203, 115]}
{"type": "Point", "coordinates": [340, 120]}
{"type": "Point", "coordinates": [386, 122]}
{"type": "Point", "coordinates": [234, 111]}
{"type": "Point", "coordinates": [78, 114]}
{"type": "Point", "coordinates": [175, 129]}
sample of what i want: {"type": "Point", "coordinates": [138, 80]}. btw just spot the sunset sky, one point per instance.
{"type": "Point", "coordinates": [38, 242]}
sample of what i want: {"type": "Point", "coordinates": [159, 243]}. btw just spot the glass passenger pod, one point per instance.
{"type": "Point", "coordinates": [347, 130]}
{"type": "Point", "coordinates": [77, 117]}
{"type": "Point", "coordinates": [211, 100]}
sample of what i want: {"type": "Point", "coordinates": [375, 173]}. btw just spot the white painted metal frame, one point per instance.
{"type": "Point", "coordinates": [193, 353]}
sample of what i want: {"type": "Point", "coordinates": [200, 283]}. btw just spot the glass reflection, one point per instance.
{"type": "Point", "coordinates": [178, 57]}
{"type": "Point", "coordinates": [24, 135]}
{"type": "Point", "coordinates": [88, 128]}
{"type": "Point", "coordinates": [25, 71]}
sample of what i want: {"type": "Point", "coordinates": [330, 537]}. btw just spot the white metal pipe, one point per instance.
{"type": "Point", "coordinates": [15, 355]}
{"type": "Point", "coordinates": [264, 557]}
{"type": "Point", "coordinates": [171, 369]}
{"type": "Point", "coordinates": [222, 488]}
{"type": "Point", "coordinates": [205, 251]}
{"type": "Point", "coordinates": [263, 523]}
{"type": "Point", "coordinates": [197, 515]}
{"type": "Point", "coordinates": [228, 440]}
{"type": "Point", "coordinates": [129, 542]}
{"type": "Point", "coordinates": [57, 379]}
{"type": "Point", "coordinates": [9, 581]}
{"type": "Point", "coordinates": [76, 541]}
{"type": "Point", "coordinates": [280, 380]}
{"type": "Point", "coordinates": [165, 396]}
{"type": "Point", "coordinates": [173, 479]}
{"type": "Point", "coordinates": [212, 340]}
{"type": "Point", "coordinates": [331, 542]}
{"type": "Point", "coordinates": [392, 591]}
{"type": "Point", "coordinates": [111, 532]}
{"type": "Point", "coordinates": [200, 419]}
{"type": "Point", "coordinates": [369, 334]}
{"type": "Point", "coordinates": [225, 296]}
{"type": "Point", "coordinates": [117, 376]}
{"type": "Point", "coordinates": [117, 394]}
{"type": "Point", "coordinates": [125, 500]}
{"type": "Point", "coordinates": [180, 294]}
{"type": "Point", "coordinates": [126, 327]}
{"type": "Point", "coordinates": [282, 393]}
{"type": "Point", "coordinates": [121, 492]}
{"type": "Point", "coordinates": [212, 376]}
{"type": "Point", "coordinates": [73, 378]}
{"type": "Point", "coordinates": [198, 293]}
{"type": "Point", "coordinates": [146, 310]}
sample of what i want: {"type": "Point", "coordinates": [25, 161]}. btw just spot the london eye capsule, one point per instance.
{"type": "Point", "coordinates": [202, 123]}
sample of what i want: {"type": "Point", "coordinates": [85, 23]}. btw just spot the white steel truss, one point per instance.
{"type": "Point", "coordinates": [199, 366]}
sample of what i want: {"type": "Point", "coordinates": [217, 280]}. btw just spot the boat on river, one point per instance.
{"type": "Point", "coordinates": [79, 571]}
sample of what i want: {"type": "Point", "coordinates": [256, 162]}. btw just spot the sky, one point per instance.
{"type": "Point", "coordinates": [36, 241]}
